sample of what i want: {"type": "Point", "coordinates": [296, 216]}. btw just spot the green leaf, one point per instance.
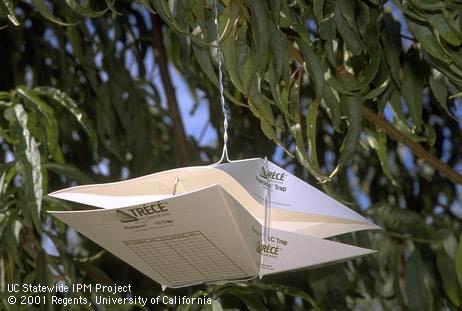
{"type": "Point", "coordinates": [347, 11]}
{"type": "Point", "coordinates": [428, 40]}
{"type": "Point", "coordinates": [378, 141]}
{"type": "Point", "coordinates": [259, 104]}
{"type": "Point", "coordinates": [417, 290]}
{"type": "Point", "coordinates": [318, 6]}
{"type": "Point", "coordinates": [260, 31]}
{"type": "Point", "coordinates": [68, 103]}
{"type": "Point", "coordinates": [249, 72]}
{"type": "Point", "coordinates": [456, 95]}
{"type": "Point", "coordinates": [458, 261]}
{"type": "Point", "coordinates": [351, 141]}
{"type": "Point", "coordinates": [440, 24]}
{"type": "Point", "coordinates": [350, 35]}
{"type": "Point", "coordinates": [412, 93]}
{"type": "Point", "coordinates": [391, 53]}
{"type": "Point", "coordinates": [162, 8]}
{"type": "Point", "coordinates": [84, 11]}
{"type": "Point", "coordinates": [70, 171]}
{"type": "Point", "coordinates": [111, 7]}
{"type": "Point", "coordinates": [327, 28]}
{"type": "Point", "coordinates": [45, 11]}
{"type": "Point", "coordinates": [3, 184]}
{"type": "Point", "coordinates": [332, 103]}
{"type": "Point", "coordinates": [228, 48]}
{"type": "Point", "coordinates": [439, 89]}
{"type": "Point", "coordinates": [396, 264]}
{"type": "Point", "coordinates": [446, 269]}
{"type": "Point", "coordinates": [203, 58]}
{"type": "Point", "coordinates": [7, 172]}
{"type": "Point", "coordinates": [10, 8]}
{"type": "Point", "coordinates": [28, 162]}
{"type": "Point", "coordinates": [280, 53]}
{"type": "Point", "coordinates": [429, 5]}
{"type": "Point", "coordinates": [369, 73]}
{"type": "Point", "coordinates": [374, 93]}
{"type": "Point", "coordinates": [404, 221]}
{"type": "Point", "coordinates": [290, 291]}
{"type": "Point", "coordinates": [50, 123]}
{"type": "Point", "coordinates": [300, 154]}
{"type": "Point", "coordinates": [11, 243]}
{"type": "Point", "coordinates": [313, 66]}
{"type": "Point", "coordinates": [5, 96]}
{"type": "Point", "coordinates": [311, 130]}
{"type": "Point", "coordinates": [253, 299]}
{"type": "Point", "coordinates": [448, 241]}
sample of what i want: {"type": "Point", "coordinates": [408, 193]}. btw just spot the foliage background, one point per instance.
{"type": "Point", "coordinates": [360, 98]}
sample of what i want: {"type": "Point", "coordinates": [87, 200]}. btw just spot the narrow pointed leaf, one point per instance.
{"type": "Point", "coordinates": [260, 30]}
{"type": "Point", "coordinates": [458, 261]}
{"type": "Point", "coordinates": [10, 7]}
{"type": "Point", "coordinates": [418, 293]}
{"type": "Point", "coordinates": [84, 11]}
{"type": "Point", "coordinates": [49, 121]}
{"type": "Point", "coordinates": [68, 103]}
{"type": "Point", "coordinates": [314, 67]}
{"type": "Point", "coordinates": [439, 89]}
{"type": "Point", "coordinates": [446, 267]}
{"type": "Point", "coordinates": [45, 11]}
{"type": "Point", "coordinates": [412, 93]}
{"type": "Point", "coordinates": [351, 140]}
{"type": "Point", "coordinates": [28, 161]}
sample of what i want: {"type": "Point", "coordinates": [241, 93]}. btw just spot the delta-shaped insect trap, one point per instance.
{"type": "Point", "coordinates": [230, 221]}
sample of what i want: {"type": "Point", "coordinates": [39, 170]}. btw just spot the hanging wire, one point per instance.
{"type": "Point", "coordinates": [267, 225]}
{"type": "Point", "coordinates": [224, 155]}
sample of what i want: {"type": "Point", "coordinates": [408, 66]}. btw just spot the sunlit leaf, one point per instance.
{"type": "Point", "coordinates": [28, 164]}
{"type": "Point", "coordinates": [10, 8]}
{"type": "Point", "coordinates": [51, 125]}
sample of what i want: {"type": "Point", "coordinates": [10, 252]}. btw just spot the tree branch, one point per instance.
{"type": "Point", "coordinates": [416, 148]}
{"type": "Point", "coordinates": [172, 104]}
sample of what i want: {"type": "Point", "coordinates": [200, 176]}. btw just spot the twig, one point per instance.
{"type": "Point", "coordinates": [416, 148]}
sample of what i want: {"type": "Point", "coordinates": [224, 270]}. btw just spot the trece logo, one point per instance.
{"type": "Point", "coordinates": [148, 209]}
{"type": "Point", "coordinates": [268, 249]}
{"type": "Point", "coordinates": [273, 175]}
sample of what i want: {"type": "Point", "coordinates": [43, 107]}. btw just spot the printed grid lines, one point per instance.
{"type": "Point", "coordinates": [185, 258]}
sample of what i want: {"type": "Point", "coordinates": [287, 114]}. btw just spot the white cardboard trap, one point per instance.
{"type": "Point", "coordinates": [212, 223]}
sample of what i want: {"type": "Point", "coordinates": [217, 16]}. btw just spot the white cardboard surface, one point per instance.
{"type": "Point", "coordinates": [204, 224]}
